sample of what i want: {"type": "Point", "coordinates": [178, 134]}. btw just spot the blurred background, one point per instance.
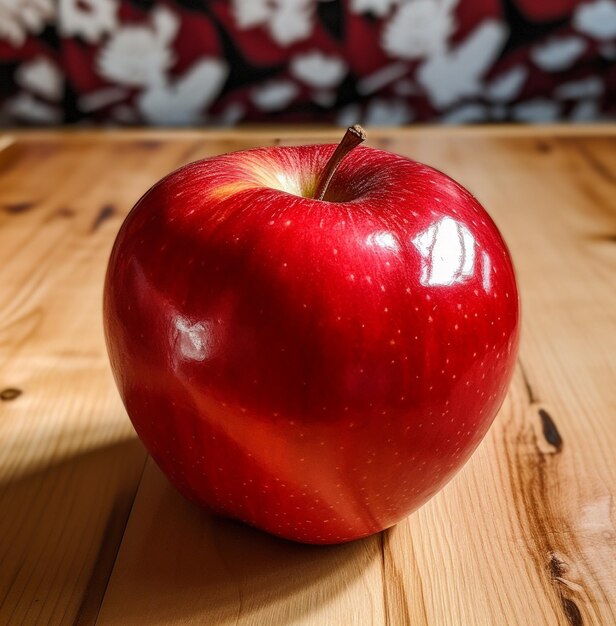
{"type": "Point", "coordinates": [379, 62]}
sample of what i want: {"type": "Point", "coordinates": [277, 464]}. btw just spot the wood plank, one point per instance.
{"type": "Point", "coordinates": [69, 460]}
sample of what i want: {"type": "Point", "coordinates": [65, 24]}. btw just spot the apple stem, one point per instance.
{"type": "Point", "coordinates": [352, 138]}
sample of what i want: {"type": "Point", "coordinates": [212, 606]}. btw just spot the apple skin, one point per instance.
{"type": "Point", "coordinates": [316, 369]}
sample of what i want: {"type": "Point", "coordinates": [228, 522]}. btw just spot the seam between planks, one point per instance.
{"type": "Point", "coordinates": [82, 618]}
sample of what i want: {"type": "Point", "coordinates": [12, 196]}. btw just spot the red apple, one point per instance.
{"type": "Point", "coordinates": [315, 368]}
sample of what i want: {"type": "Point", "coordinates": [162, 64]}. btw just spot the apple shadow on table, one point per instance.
{"type": "Point", "coordinates": [60, 509]}
{"type": "Point", "coordinates": [176, 562]}
{"type": "Point", "coordinates": [184, 564]}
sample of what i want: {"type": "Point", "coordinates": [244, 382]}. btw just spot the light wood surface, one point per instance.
{"type": "Point", "coordinates": [91, 532]}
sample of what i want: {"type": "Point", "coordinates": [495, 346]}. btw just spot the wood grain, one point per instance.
{"type": "Point", "coordinates": [525, 534]}
{"type": "Point", "coordinates": [69, 461]}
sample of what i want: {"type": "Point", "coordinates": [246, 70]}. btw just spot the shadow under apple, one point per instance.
{"type": "Point", "coordinates": [61, 526]}
{"type": "Point", "coordinates": [179, 564]}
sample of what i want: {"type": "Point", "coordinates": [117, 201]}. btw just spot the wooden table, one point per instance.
{"type": "Point", "coordinates": [91, 532]}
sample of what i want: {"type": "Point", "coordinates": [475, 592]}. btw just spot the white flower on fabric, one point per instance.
{"type": "Point", "coordinates": [288, 21]}
{"type": "Point", "coordinates": [101, 98]}
{"type": "Point", "coordinates": [89, 19]}
{"type": "Point", "coordinates": [274, 95]}
{"type": "Point", "coordinates": [419, 29]}
{"type": "Point", "coordinates": [349, 115]}
{"type": "Point", "coordinates": [536, 111]}
{"type": "Point", "coordinates": [470, 113]}
{"type": "Point", "coordinates": [26, 108]}
{"type": "Point", "coordinates": [382, 77]}
{"type": "Point", "coordinates": [558, 54]}
{"type": "Point", "coordinates": [377, 7]}
{"type": "Point", "coordinates": [20, 17]}
{"type": "Point", "coordinates": [457, 74]}
{"type": "Point", "coordinates": [293, 21]}
{"type": "Point", "coordinates": [41, 77]}
{"type": "Point", "coordinates": [318, 70]}
{"type": "Point", "coordinates": [140, 55]}
{"type": "Point", "coordinates": [586, 111]}
{"type": "Point", "coordinates": [507, 86]}
{"type": "Point", "coordinates": [251, 13]}
{"type": "Point", "coordinates": [325, 99]}
{"type": "Point", "coordinates": [589, 87]}
{"type": "Point", "coordinates": [596, 19]}
{"type": "Point", "coordinates": [387, 113]}
{"type": "Point", "coordinates": [186, 100]}
{"type": "Point", "coordinates": [232, 114]}
{"type": "Point", "coordinates": [379, 112]}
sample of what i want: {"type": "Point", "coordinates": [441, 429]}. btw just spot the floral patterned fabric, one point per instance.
{"type": "Point", "coordinates": [375, 61]}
